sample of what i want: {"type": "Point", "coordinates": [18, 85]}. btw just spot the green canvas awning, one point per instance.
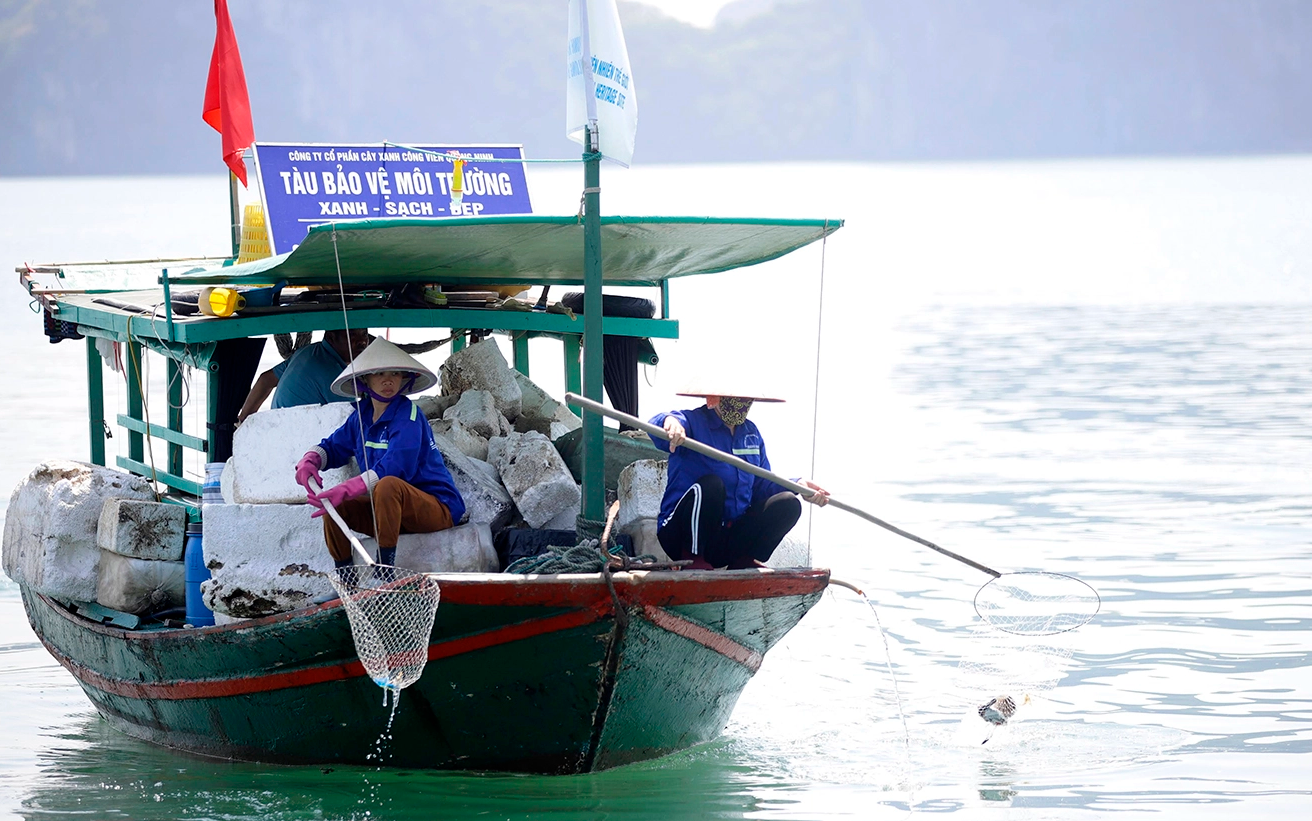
{"type": "Point", "coordinates": [520, 250]}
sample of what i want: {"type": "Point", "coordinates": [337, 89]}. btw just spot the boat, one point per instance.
{"type": "Point", "coordinates": [565, 673]}
{"type": "Point", "coordinates": [542, 673]}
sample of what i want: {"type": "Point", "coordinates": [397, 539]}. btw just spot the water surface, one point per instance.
{"type": "Point", "coordinates": [1093, 368]}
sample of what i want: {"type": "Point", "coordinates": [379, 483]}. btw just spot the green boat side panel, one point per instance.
{"type": "Point", "coordinates": [520, 249]}
{"type": "Point", "coordinates": [523, 675]}
{"type": "Point", "coordinates": [758, 624]}
{"type": "Point", "coordinates": [670, 693]}
{"type": "Point", "coordinates": [619, 451]}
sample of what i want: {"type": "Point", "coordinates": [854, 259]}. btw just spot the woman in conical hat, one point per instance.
{"type": "Point", "coordinates": [713, 513]}
{"type": "Point", "coordinates": [404, 485]}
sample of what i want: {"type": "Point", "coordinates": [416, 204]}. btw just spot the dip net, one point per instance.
{"type": "Point", "coordinates": [391, 613]}
{"type": "Point", "coordinates": [1036, 603]}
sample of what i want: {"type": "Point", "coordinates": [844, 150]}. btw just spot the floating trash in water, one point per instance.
{"type": "Point", "coordinates": [999, 709]}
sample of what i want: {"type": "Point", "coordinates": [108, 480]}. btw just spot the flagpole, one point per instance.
{"type": "Point", "coordinates": [234, 206]}
{"type": "Point", "coordinates": [594, 475]}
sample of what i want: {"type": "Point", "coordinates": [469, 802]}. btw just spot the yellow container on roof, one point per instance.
{"type": "Point", "coordinates": [254, 235]}
{"type": "Point", "coordinates": [220, 301]}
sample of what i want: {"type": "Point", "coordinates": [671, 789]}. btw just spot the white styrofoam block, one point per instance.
{"type": "Point", "coordinates": [478, 413]}
{"type": "Point", "coordinates": [263, 559]}
{"type": "Point", "coordinates": [462, 549]}
{"type": "Point", "coordinates": [566, 419]}
{"type": "Point", "coordinates": [480, 487]}
{"type": "Point", "coordinates": [542, 413]}
{"type": "Point", "coordinates": [640, 488]}
{"type": "Point", "coordinates": [432, 406]}
{"type": "Point", "coordinates": [535, 475]}
{"type": "Point", "coordinates": [645, 542]}
{"type": "Point", "coordinates": [140, 586]}
{"type": "Point", "coordinates": [567, 519]}
{"type": "Point", "coordinates": [51, 524]}
{"type": "Point", "coordinates": [267, 446]}
{"type": "Point", "coordinates": [469, 443]}
{"type": "Point", "coordinates": [142, 530]}
{"type": "Point", "coordinates": [482, 367]}
{"type": "Point", "coordinates": [226, 478]}
{"type": "Point", "coordinates": [537, 404]}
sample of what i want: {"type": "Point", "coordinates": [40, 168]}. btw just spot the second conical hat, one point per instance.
{"type": "Point", "coordinates": [727, 389]}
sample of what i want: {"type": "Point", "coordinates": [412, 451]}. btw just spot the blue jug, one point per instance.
{"type": "Point", "coordinates": [196, 572]}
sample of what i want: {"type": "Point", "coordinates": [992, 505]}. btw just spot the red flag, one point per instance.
{"type": "Point", "coordinates": [227, 106]}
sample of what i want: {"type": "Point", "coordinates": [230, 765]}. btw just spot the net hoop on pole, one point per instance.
{"type": "Point", "coordinates": [1036, 603]}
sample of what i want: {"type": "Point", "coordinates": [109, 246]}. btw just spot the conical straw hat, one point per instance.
{"type": "Point", "coordinates": [380, 356]}
{"type": "Point", "coordinates": [728, 388]}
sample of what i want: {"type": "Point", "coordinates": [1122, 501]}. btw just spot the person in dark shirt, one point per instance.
{"type": "Point", "coordinates": [712, 513]}
{"type": "Point", "coordinates": [404, 486]}
{"type": "Point", "coordinates": [306, 377]}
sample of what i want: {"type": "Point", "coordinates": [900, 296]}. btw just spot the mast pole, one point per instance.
{"type": "Point", "coordinates": [234, 210]}
{"type": "Point", "coordinates": [594, 478]}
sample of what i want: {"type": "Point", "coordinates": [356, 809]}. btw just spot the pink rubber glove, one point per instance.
{"type": "Point", "coordinates": [337, 494]}
{"type": "Point", "coordinates": [307, 469]}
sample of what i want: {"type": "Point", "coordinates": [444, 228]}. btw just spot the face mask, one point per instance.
{"type": "Point", "coordinates": [733, 410]}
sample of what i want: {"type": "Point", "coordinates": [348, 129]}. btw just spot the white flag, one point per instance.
{"type": "Point", "coordinates": [600, 90]}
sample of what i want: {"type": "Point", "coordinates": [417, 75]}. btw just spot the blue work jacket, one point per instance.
{"type": "Point", "coordinates": [400, 443]}
{"type": "Point", "coordinates": [741, 489]}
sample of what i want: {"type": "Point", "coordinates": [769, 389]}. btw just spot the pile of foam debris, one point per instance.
{"type": "Point", "coordinates": [87, 533]}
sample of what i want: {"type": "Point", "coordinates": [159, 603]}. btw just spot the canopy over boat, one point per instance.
{"type": "Point", "coordinates": [129, 302]}
{"type": "Point", "coordinates": [526, 250]}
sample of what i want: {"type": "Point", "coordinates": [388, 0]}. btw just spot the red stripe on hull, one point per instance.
{"type": "Point", "coordinates": [185, 689]}
{"type": "Point", "coordinates": [587, 593]}
{"type": "Point", "coordinates": [704, 636]}
{"type": "Point", "coordinates": [662, 589]}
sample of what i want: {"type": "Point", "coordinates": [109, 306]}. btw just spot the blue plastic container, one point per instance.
{"type": "Point", "coordinates": [195, 572]}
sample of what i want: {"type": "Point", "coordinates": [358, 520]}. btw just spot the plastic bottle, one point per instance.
{"type": "Point", "coordinates": [195, 572]}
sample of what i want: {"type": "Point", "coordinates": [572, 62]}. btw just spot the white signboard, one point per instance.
{"type": "Point", "coordinates": [600, 90]}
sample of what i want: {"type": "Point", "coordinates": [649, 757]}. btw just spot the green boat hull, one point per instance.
{"type": "Point", "coordinates": [548, 674]}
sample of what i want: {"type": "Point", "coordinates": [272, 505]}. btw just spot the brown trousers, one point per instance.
{"type": "Point", "coordinates": [398, 507]}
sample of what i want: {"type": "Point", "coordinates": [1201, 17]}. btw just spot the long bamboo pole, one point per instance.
{"type": "Point", "coordinates": [755, 470]}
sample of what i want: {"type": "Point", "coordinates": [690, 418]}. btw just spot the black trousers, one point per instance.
{"type": "Point", "coordinates": [696, 526]}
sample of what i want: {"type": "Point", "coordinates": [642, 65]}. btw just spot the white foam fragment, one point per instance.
{"type": "Point", "coordinates": [225, 484]}
{"type": "Point", "coordinates": [480, 487]}
{"type": "Point", "coordinates": [482, 367]}
{"type": "Point", "coordinates": [263, 559]}
{"type": "Point", "coordinates": [140, 586]}
{"type": "Point", "coordinates": [534, 475]}
{"type": "Point", "coordinates": [267, 446]}
{"type": "Point", "coordinates": [52, 521]}
{"type": "Point", "coordinates": [477, 412]}
{"type": "Point", "coordinates": [142, 530]}
{"type": "Point", "coordinates": [645, 542]}
{"type": "Point", "coordinates": [462, 549]}
{"type": "Point", "coordinates": [640, 488]}
{"type": "Point", "coordinates": [469, 443]}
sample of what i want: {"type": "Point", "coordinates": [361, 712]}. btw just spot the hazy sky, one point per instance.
{"type": "Point", "coordinates": [698, 12]}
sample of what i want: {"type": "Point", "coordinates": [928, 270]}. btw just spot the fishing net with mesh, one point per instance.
{"type": "Point", "coordinates": [391, 612]}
